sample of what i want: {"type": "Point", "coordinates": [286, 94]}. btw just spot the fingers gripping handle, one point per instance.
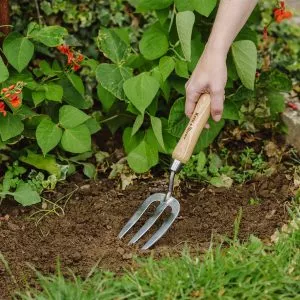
{"type": "Point", "coordinates": [185, 147]}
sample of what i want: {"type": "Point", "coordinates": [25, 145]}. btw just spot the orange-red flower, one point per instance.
{"type": "Point", "coordinates": [15, 101]}
{"type": "Point", "coordinates": [2, 109]}
{"type": "Point", "coordinates": [73, 58]}
{"type": "Point", "coordinates": [280, 13]}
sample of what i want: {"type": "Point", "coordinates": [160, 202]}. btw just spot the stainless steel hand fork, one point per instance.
{"type": "Point", "coordinates": [180, 155]}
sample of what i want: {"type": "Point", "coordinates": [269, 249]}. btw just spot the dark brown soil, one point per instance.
{"type": "Point", "coordinates": [87, 232]}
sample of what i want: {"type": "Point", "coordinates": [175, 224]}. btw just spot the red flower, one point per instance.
{"type": "Point", "coordinates": [73, 58]}
{"type": "Point", "coordinates": [2, 109]}
{"type": "Point", "coordinates": [280, 13]}
{"type": "Point", "coordinates": [15, 101]}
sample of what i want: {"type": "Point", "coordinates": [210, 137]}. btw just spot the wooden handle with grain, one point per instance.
{"type": "Point", "coordinates": [185, 147]}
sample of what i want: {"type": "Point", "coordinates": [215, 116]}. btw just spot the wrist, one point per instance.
{"type": "Point", "coordinates": [218, 47]}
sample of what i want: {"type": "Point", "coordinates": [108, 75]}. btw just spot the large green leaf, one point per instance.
{"type": "Point", "coordinates": [77, 139]}
{"type": "Point", "coordinates": [112, 45]}
{"type": "Point", "coordinates": [10, 126]}
{"type": "Point", "coordinates": [47, 163]}
{"type": "Point", "coordinates": [141, 90]}
{"type": "Point", "coordinates": [53, 92]}
{"type": "Point", "coordinates": [18, 50]}
{"type": "Point", "coordinates": [25, 195]}
{"type": "Point", "coordinates": [276, 102]}
{"type": "Point", "coordinates": [166, 66]}
{"type": "Point", "coordinates": [70, 117]}
{"type": "Point", "coordinates": [48, 135]}
{"type": "Point", "coordinates": [137, 124]}
{"type": "Point", "coordinates": [177, 120]}
{"type": "Point", "coordinates": [154, 43]}
{"type": "Point", "coordinates": [275, 81]}
{"type": "Point", "coordinates": [184, 5]}
{"type": "Point", "coordinates": [157, 129]}
{"type": "Point", "coordinates": [106, 98]}
{"type": "Point", "coordinates": [245, 59]}
{"type": "Point", "coordinates": [3, 71]}
{"type": "Point", "coordinates": [207, 136]}
{"type": "Point", "coordinates": [204, 7]}
{"type": "Point", "coordinates": [112, 78]}
{"type": "Point", "coordinates": [50, 36]}
{"type": "Point", "coordinates": [131, 141]}
{"type": "Point", "coordinates": [184, 22]}
{"type": "Point", "coordinates": [143, 157]}
{"type": "Point", "coordinates": [144, 5]}
{"type": "Point", "coordinates": [71, 94]}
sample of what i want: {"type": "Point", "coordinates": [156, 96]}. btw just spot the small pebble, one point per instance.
{"type": "Point", "coordinates": [127, 256]}
{"type": "Point", "coordinates": [13, 226]}
{"type": "Point", "coordinates": [85, 187]}
{"type": "Point", "coordinates": [120, 250]}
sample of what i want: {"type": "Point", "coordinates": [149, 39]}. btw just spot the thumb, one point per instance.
{"type": "Point", "coordinates": [217, 104]}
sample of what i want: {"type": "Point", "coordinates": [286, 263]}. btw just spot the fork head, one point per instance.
{"type": "Point", "coordinates": [165, 200]}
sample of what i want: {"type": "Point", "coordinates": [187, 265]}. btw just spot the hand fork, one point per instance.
{"type": "Point", "coordinates": [180, 155]}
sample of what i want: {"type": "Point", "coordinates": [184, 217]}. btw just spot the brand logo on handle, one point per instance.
{"type": "Point", "coordinates": [190, 126]}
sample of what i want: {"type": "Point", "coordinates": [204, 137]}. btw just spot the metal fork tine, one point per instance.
{"type": "Point", "coordinates": [159, 210]}
{"type": "Point", "coordinates": [165, 226]}
{"type": "Point", "coordinates": [139, 212]}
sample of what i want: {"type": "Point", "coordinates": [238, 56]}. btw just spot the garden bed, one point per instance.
{"type": "Point", "coordinates": [86, 234]}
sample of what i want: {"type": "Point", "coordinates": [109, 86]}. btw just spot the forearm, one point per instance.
{"type": "Point", "coordinates": [231, 17]}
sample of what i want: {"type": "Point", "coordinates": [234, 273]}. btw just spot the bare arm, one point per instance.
{"type": "Point", "coordinates": [210, 73]}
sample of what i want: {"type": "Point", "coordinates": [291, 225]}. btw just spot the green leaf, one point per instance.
{"type": "Point", "coordinates": [231, 110]}
{"type": "Point", "coordinates": [51, 36]}
{"type": "Point", "coordinates": [177, 119]}
{"type": "Point", "coordinates": [25, 195]}
{"type": "Point", "coordinates": [106, 98]}
{"type": "Point", "coordinates": [38, 97]}
{"type": "Point", "coordinates": [166, 66]}
{"type": "Point", "coordinates": [10, 126]}
{"type": "Point", "coordinates": [77, 139]}
{"type": "Point", "coordinates": [144, 5]}
{"type": "Point", "coordinates": [170, 141]}
{"type": "Point", "coordinates": [46, 68]}
{"type": "Point", "coordinates": [181, 69]}
{"type": "Point", "coordinates": [48, 135]}
{"type": "Point", "coordinates": [47, 163]}
{"type": "Point", "coordinates": [93, 125]}
{"type": "Point", "coordinates": [208, 135]}
{"type": "Point", "coordinates": [53, 92]}
{"type": "Point", "coordinates": [131, 141]}
{"type": "Point", "coordinates": [204, 7]}
{"type": "Point", "coordinates": [275, 102]}
{"type": "Point", "coordinates": [71, 94]}
{"type": "Point", "coordinates": [70, 117]}
{"type": "Point", "coordinates": [18, 50]}
{"type": "Point", "coordinates": [197, 47]}
{"type": "Point", "coordinates": [89, 170]}
{"type": "Point", "coordinates": [3, 71]}
{"type": "Point", "coordinates": [141, 90]}
{"type": "Point", "coordinates": [184, 22]}
{"type": "Point", "coordinates": [137, 124]}
{"type": "Point", "coordinates": [112, 45]}
{"type": "Point", "coordinates": [143, 157]}
{"type": "Point", "coordinates": [112, 78]}
{"type": "Point", "coordinates": [275, 81]}
{"type": "Point", "coordinates": [245, 59]}
{"type": "Point", "coordinates": [157, 129]}
{"type": "Point", "coordinates": [184, 5]}
{"type": "Point", "coordinates": [154, 43]}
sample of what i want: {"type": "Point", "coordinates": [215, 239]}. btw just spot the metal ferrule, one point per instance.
{"type": "Point", "coordinates": [176, 165]}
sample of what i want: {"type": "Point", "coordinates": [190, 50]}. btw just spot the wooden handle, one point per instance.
{"type": "Point", "coordinates": [185, 147]}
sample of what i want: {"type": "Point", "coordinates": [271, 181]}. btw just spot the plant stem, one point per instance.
{"type": "Point", "coordinates": [38, 11]}
{"type": "Point", "coordinates": [4, 18]}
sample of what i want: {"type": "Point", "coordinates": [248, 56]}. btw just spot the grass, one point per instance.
{"type": "Point", "coordinates": [251, 270]}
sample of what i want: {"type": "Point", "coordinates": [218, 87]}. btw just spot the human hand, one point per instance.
{"type": "Point", "coordinates": [209, 76]}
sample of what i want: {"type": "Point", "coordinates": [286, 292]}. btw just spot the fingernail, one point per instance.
{"type": "Point", "coordinates": [217, 118]}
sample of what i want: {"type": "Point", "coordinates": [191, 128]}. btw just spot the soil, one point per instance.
{"type": "Point", "coordinates": [86, 234]}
